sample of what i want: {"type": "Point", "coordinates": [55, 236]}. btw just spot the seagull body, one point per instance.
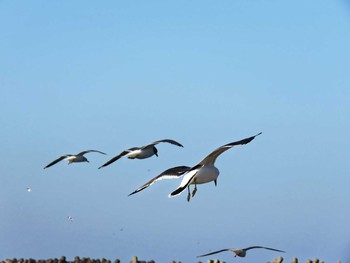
{"type": "Point", "coordinates": [73, 158]}
{"type": "Point", "coordinates": [240, 252]}
{"type": "Point", "coordinates": [140, 152]}
{"type": "Point", "coordinates": [205, 171]}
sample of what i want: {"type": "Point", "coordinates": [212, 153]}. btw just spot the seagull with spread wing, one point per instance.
{"type": "Point", "coordinates": [73, 158]}
{"type": "Point", "coordinates": [140, 152]}
{"type": "Point", "coordinates": [205, 171]}
{"type": "Point", "coordinates": [239, 252]}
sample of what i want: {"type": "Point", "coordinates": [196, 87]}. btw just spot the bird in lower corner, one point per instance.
{"type": "Point", "coordinates": [240, 252]}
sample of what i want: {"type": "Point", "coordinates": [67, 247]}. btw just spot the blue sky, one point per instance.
{"type": "Point", "coordinates": [112, 75]}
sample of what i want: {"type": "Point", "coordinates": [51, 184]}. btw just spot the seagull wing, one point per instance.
{"type": "Point", "coordinates": [171, 173]}
{"type": "Point", "coordinates": [248, 248]}
{"type": "Point", "coordinates": [57, 160]}
{"type": "Point", "coordinates": [115, 158]}
{"type": "Point", "coordinates": [215, 252]}
{"type": "Point", "coordinates": [89, 151]}
{"type": "Point", "coordinates": [211, 158]}
{"type": "Point", "coordinates": [165, 140]}
{"type": "Point", "coordinates": [186, 180]}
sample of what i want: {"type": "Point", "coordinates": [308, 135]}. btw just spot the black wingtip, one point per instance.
{"type": "Point", "coordinates": [136, 191]}
{"type": "Point", "coordinates": [177, 191]}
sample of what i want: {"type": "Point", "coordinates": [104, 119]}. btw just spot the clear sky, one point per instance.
{"type": "Point", "coordinates": [110, 75]}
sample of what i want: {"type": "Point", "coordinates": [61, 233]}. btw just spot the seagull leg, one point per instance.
{"type": "Point", "coordinates": [215, 182]}
{"type": "Point", "coordinates": [195, 187]}
{"type": "Point", "coordinates": [188, 193]}
{"type": "Point", "coordinates": [194, 190]}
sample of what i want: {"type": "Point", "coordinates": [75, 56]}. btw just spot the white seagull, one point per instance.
{"type": "Point", "coordinates": [73, 158]}
{"type": "Point", "coordinates": [205, 171]}
{"type": "Point", "coordinates": [174, 172]}
{"type": "Point", "coordinates": [140, 152]}
{"type": "Point", "coordinates": [70, 218]}
{"type": "Point", "coordinates": [239, 252]}
{"type": "Point", "coordinates": [29, 189]}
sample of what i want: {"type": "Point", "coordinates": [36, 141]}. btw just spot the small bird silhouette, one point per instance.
{"type": "Point", "coordinates": [239, 252]}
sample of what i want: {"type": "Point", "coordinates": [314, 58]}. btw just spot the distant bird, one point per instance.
{"type": "Point", "coordinates": [174, 172]}
{"type": "Point", "coordinates": [70, 218]}
{"type": "Point", "coordinates": [205, 171]}
{"type": "Point", "coordinates": [140, 152]}
{"type": "Point", "coordinates": [239, 252]}
{"type": "Point", "coordinates": [29, 189]}
{"type": "Point", "coordinates": [73, 158]}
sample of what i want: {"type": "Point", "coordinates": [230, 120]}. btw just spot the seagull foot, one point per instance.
{"type": "Point", "coordinates": [194, 191]}
{"type": "Point", "coordinates": [188, 196]}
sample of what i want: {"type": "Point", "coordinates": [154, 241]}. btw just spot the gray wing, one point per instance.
{"type": "Point", "coordinates": [165, 140]}
{"type": "Point", "coordinates": [215, 252]}
{"type": "Point", "coordinates": [115, 158]}
{"type": "Point", "coordinates": [211, 158]}
{"type": "Point", "coordinates": [57, 160]}
{"type": "Point", "coordinates": [264, 248]}
{"type": "Point", "coordinates": [171, 173]}
{"type": "Point", "coordinates": [89, 151]}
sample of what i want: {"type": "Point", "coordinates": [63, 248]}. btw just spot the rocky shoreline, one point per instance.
{"type": "Point", "coordinates": [133, 260]}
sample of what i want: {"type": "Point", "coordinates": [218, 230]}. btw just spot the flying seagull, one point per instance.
{"type": "Point", "coordinates": [171, 173]}
{"type": "Point", "coordinates": [70, 218]}
{"type": "Point", "coordinates": [205, 171]}
{"type": "Point", "coordinates": [73, 158]}
{"type": "Point", "coordinates": [239, 252]}
{"type": "Point", "coordinates": [29, 189]}
{"type": "Point", "coordinates": [140, 152]}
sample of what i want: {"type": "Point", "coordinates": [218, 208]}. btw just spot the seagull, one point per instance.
{"type": "Point", "coordinates": [70, 218]}
{"type": "Point", "coordinates": [239, 252]}
{"type": "Point", "coordinates": [205, 171]}
{"type": "Point", "coordinates": [73, 158]}
{"type": "Point", "coordinates": [140, 152]}
{"type": "Point", "coordinates": [29, 189]}
{"type": "Point", "coordinates": [174, 172]}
